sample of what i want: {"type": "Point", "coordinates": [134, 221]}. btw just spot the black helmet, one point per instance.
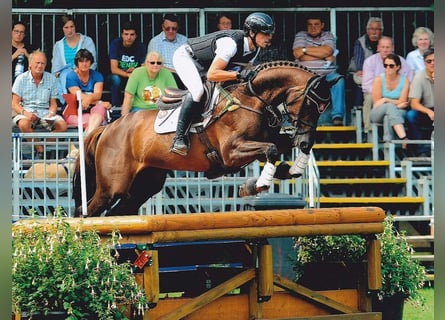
{"type": "Point", "coordinates": [259, 22]}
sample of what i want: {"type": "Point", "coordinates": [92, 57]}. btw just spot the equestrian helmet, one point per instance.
{"type": "Point", "coordinates": [259, 22]}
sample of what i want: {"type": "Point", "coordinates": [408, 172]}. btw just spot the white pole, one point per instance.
{"type": "Point", "coordinates": [83, 189]}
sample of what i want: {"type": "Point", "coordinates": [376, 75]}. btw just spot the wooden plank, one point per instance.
{"type": "Point", "coordinates": [312, 295]}
{"type": "Point", "coordinates": [355, 316]}
{"type": "Point", "coordinates": [210, 295]}
{"type": "Point", "coordinates": [265, 232]}
{"type": "Point", "coordinates": [235, 307]}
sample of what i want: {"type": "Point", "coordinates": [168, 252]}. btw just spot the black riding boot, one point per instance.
{"type": "Point", "coordinates": [181, 142]}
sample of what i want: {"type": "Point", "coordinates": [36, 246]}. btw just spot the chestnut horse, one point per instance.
{"type": "Point", "coordinates": [127, 161]}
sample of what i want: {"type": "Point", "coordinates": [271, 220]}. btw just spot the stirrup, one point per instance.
{"type": "Point", "coordinates": [182, 149]}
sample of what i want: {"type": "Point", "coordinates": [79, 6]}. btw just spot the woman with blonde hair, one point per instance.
{"type": "Point", "coordinates": [146, 84]}
{"type": "Point", "coordinates": [423, 39]}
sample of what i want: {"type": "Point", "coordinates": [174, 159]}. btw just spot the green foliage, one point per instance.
{"type": "Point", "coordinates": [401, 273]}
{"type": "Point", "coordinates": [57, 268]}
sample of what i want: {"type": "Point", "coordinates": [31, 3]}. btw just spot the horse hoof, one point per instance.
{"type": "Point", "coordinates": [282, 171]}
{"type": "Point", "coordinates": [261, 189]}
{"type": "Point", "coordinates": [248, 189]}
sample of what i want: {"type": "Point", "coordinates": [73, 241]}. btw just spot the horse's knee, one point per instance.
{"type": "Point", "coordinates": [272, 154]}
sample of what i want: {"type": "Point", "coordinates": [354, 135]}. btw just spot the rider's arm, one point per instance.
{"type": "Point", "coordinates": [225, 50]}
{"type": "Point", "coordinates": [217, 73]}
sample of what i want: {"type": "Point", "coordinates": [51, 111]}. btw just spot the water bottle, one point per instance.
{"type": "Point", "coordinates": [20, 66]}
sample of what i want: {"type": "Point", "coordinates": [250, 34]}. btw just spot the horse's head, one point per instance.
{"type": "Point", "coordinates": [305, 107]}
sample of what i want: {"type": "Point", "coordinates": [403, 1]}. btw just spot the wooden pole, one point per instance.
{"type": "Point", "coordinates": [265, 273]}
{"type": "Point", "coordinates": [264, 232]}
{"type": "Point", "coordinates": [224, 220]}
{"type": "Point", "coordinates": [151, 279]}
{"type": "Point", "coordinates": [374, 265]}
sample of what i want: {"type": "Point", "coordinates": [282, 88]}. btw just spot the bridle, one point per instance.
{"type": "Point", "coordinates": [277, 117]}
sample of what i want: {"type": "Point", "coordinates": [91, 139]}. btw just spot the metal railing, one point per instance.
{"type": "Point", "coordinates": [104, 24]}
{"type": "Point", "coordinates": [183, 192]}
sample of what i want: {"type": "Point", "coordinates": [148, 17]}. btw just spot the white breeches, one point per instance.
{"type": "Point", "coordinates": [186, 70]}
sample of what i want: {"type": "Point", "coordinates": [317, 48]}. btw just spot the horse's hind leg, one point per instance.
{"type": "Point", "coordinates": [146, 184]}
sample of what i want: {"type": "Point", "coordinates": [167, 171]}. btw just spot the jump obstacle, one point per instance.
{"type": "Point", "coordinates": [265, 296]}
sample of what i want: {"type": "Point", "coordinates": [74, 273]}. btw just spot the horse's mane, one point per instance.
{"type": "Point", "coordinates": [280, 63]}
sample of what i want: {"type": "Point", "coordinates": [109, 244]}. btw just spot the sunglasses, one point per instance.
{"type": "Point", "coordinates": [170, 28]}
{"type": "Point", "coordinates": [391, 65]}
{"type": "Point", "coordinates": [429, 61]}
{"type": "Point", "coordinates": [156, 62]}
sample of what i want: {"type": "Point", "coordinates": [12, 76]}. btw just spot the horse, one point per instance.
{"type": "Point", "coordinates": [127, 162]}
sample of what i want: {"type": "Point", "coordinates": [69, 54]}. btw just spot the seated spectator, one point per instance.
{"type": "Point", "coordinates": [146, 84]}
{"type": "Point", "coordinates": [20, 49]}
{"type": "Point", "coordinates": [316, 50]}
{"type": "Point", "coordinates": [224, 22]}
{"type": "Point", "coordinates": [126, 54]}
{"type": "Point", "coordinates": [421, 95]}
{"type": "Point", "coordinates": [65, 50]}
{"type": "Point", "coordinates": [423, 39]}
{"type": "Point", "coordinates": [364, 47]}
{"type": "Point", "coordinates": [167, 42]}
{"type": "Point", "coordinates": [34, 95]}
{"type": "Point", "coordinates": [372, 67]}
{"type": "Point", "coordinates": [390, 99]}
{"type": "Point", "coordinates": [90, 82]}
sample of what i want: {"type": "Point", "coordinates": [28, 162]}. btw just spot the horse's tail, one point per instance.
{"type": "Point", "coordinates": [90, 145]}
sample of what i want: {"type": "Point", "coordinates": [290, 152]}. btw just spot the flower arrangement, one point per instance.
{"type": "Point", "coordinates": [58, 268]}
{"type": "Point", "coordinates": [401, 273]}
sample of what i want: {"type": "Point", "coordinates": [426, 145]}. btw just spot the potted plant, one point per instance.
{"type": "Point", "coordinates": [60, 270]}
{"type": "Point", "coordinates": [402, 275]}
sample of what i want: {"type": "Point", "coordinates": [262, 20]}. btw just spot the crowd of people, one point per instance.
{"type": "Point", "coordinates": [390, 89]}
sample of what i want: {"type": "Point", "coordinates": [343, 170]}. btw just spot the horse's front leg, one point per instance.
{"type": "Point", "coordinates": [254, 186]}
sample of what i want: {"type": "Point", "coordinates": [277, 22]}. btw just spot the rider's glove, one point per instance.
{"type": "Point", "coordinates": [246, 75]}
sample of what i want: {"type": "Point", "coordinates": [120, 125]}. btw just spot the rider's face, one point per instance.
{"type": "Point", "coordinates": [263, 40]}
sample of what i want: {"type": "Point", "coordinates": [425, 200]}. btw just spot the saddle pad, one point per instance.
{"type": "Point", "coordinates": [167, 120]}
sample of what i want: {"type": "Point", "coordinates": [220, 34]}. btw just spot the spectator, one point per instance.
{"type": "Point", "coordinates": [20, 49]}
{"type": "Point", "coordinates": [423, 39]}
{"type": "Point", "coordinates": [364, 47]}
{"type": "Point", "coordinates": [126, 54]}
{"type": "Point", "coordinates": [146, 84]}
{"type": "Point", "coordinates": [34, 104]}
{"type": "Point", "coordinates": [390, 99]}
{"type": "Point", "coordinates": [316, 50]}
{"type": "Point", "coordinates": [65, 50]}
{"type": "Point", "coordinates": [90, 82]}
{"type": "Point", "coordinates": [421, 95]}
{"type": "Point", "coordinates": [372, 67]}
{"type": "Point", "coordinates": [167, 42]}
{"type": "Point", "coordinates": [224, 22]}
{"type": "Point", "coordinates": [214, 54]}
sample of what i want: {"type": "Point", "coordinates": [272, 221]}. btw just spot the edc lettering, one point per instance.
{"type": "Point", "coordinates": [127, 62]}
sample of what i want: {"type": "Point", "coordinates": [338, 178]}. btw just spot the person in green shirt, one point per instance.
{"type": "Point", "coordinates": [146, 84]}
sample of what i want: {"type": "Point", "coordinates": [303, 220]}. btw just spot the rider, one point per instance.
{"type": "Point", "coordinates": [216, 52]}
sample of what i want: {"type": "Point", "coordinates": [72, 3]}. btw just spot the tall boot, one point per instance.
{"type": "Point", "coordinates": [181, 141]}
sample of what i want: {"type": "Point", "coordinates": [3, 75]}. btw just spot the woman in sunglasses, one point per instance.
{"type": "Point", "coordinates": [146, 84]}
{"type": "Point", "coordinates": [390, 99]}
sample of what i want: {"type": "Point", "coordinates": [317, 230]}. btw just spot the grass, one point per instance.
{"type": "Point", "coordinates": [412, 312]}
